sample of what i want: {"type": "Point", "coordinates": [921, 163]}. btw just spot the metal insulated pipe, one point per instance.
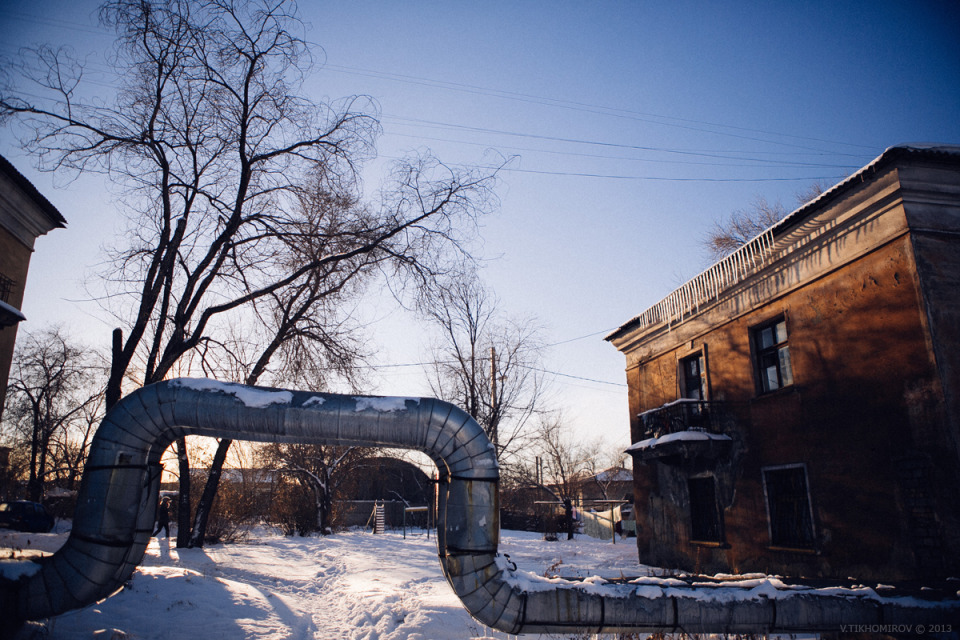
{"type": "Point", "coordinates": [118, 498]}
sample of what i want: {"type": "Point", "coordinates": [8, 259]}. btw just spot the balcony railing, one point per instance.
{"type": "Point", "coordinates": [685, 415]}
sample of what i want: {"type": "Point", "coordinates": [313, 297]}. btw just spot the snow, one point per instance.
{"type": "Point", "coordinates": [672, 403]}
{"type": "Point", "coordinates": [314, 401]}
{"type": "Point", "coordinates": [351, 585]}
{"type": "Point", "coordinates": [383, 405]}
{"type": "Point", "coordinates": [15, 569]}
{"type": "Point", "coordinates": [689, 436]}
{"type": "Point", "coordinates": [12, 311]}
{"type": "Point", "coordinates": [355, 586]}
{"type": "Point", "coordinates": [249, 396]}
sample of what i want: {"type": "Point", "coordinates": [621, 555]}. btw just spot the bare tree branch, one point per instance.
{"type": "Point", "coordinates": [242, 194]}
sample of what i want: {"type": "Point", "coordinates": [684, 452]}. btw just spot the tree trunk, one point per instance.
{"type": "Point", "coordinates": [116, 371]}
{"type": "Point", "coordinates": [183, 503]}
{"type": "Point", "coordinates": [33, 484]}
{"type": "Point", "coordinates": [41, 469]}
{"type": "Point", "coordinates": [205, 506]}
{"type": "Point", "coordinates": [323, 503]}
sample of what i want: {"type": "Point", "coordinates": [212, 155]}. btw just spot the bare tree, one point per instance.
{"type": "Point", "coordinates": [566, 460]}
{"type": "Point", "coordinates": [605, 471]}
{"type": "Point", "coordinates": [813, 191]}
{"type": "Point", "coordinates": [213, 150]}
{"type": "Point", "coordinates": [53, 399]}
{"type": "Point", "coordinates": [743, 225]}
{"type": "Point", "coordinates": [487, 365]}
{"type": "Point", "coordinates": [563, 463]}
{"type": "Point", "coordinates": [321, 469]}
{"type": "Point", "coordinates": [72, 445]}
{"type": "Point", "coordinates": [301, 325]}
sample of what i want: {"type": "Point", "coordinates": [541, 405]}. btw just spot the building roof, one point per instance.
{"type": "Point", "coordinates": [916, 149]}
{"type": "Point", "coordinates": [56, 218]}
{"type": "Point", "coordinates": [707, 286]}
{"type": "Point", "coordinates": [615, 474]}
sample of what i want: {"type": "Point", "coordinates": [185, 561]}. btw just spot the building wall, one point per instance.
{"type": "Point", "coordinates": [868, 411]}
{"type": "Point", "coordinates": [25, 214]}
{"type": "Point", "coordinates": [14, 262]}
{"type": "Point", "coordinates": [932, 204]}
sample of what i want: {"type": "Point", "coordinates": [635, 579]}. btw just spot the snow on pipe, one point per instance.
{"type": "Point", "coordinates": [118, 498]}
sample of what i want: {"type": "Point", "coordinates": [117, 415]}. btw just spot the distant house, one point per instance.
{"type": "Point", "coordinates": [533, 507]}
{"type": "Point", "coordinates": [24, 216]}
{"type": "Point", "coordinates": [609, 485]}
{"type": "Point", "coordinates": [795, 408]}
{"type": "Point", "coordinates": [394, 484]}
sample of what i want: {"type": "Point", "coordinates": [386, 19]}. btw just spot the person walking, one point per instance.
{"type": "Point", "coordinates": [163, 517]}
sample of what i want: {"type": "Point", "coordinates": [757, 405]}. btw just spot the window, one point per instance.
{"type": "Point", "coordinates": [789, 514]}
{"type": "Point", "coordinates": [706, 524]}
{"type": "Point", "coordinates": [773, 356]}
{"type": "Point", "coordinates": [691, 369]}
{"type": "Point", "coordinates": [6, 287]}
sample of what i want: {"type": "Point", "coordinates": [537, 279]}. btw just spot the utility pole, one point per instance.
{"type": "Point", "coordinates": [539, 509]}
{"type": "Point", "coordinates": [494, 427]}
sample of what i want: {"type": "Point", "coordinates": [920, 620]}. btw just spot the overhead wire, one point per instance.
{"type": "Point", "coordinates": [769, 163]}
{"type": "Point", "coordinates": [544, 101]}
{"type": "Point", "coordinates": [581, 141]}
{"type": "Point", "coordinates": [569, 104]}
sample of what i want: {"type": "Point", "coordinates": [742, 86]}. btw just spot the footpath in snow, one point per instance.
{"type": "Point", "coordinates": [350, 586]}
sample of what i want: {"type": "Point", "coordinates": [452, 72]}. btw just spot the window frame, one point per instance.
{"type": "Point", "coordinates": [777, 542]}
{"type": "Point", "coordinates": [700, 356]}
{"type": "Point", "coordinates": [777, 354]}
{"type": "Point", "coordinates": [7, 287]}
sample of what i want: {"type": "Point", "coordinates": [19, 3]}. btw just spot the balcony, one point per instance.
{"type": "Point", "coordinates": [684, 429]}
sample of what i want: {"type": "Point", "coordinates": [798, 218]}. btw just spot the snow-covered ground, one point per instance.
{"type": "Point", "coordinates": [352, 585]}
{"type": "Point", "coordinates": [357, 585]}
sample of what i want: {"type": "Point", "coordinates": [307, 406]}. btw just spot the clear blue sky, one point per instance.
{"type": "Point", "coordinates": [636, 124]}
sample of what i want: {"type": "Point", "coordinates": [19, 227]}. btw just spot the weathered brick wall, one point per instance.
{"type": "Point", "coordinates": [14, 261]}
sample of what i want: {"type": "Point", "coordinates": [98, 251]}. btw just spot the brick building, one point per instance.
{"type": "Point", "coordinates": [25, 214]}
{"type": "Point", "coordinates": [795, 408]}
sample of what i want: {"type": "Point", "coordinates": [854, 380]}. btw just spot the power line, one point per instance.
{"type": "Point", "coordinates": [582, 106]}
{"type": "Point", "coordinates": [532, 368]}
{"type": "Point", "coordinates": [513, 95]}
{"type": "Point", "coordinates": [579, 174]}
{"type": "Point", "coordinates": [403, 365]}
{"type": "Point", "coordinates": [589, 335]}
{"type": "Point", "coordinates": [765, 162]}
{"type": "Point", "coordinates": [568, 375]}
{"type": "Point", "coordinates": [55, 22]}
{"type": "Point", "coordinates": [615, 145]}
{"type": "Point", "coordinates": [612, 176]}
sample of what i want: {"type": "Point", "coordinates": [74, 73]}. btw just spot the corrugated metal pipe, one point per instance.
{"type": "Point", "coordinates": [118, 499]}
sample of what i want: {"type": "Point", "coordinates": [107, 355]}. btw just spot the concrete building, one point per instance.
{"type": "Point", "coordinates": [795, 408]}
{"type": "Point", "coordinates": [24, 216]}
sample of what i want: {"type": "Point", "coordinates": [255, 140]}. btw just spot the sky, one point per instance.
{"type": "Point", "coordinates": [630, 127]}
